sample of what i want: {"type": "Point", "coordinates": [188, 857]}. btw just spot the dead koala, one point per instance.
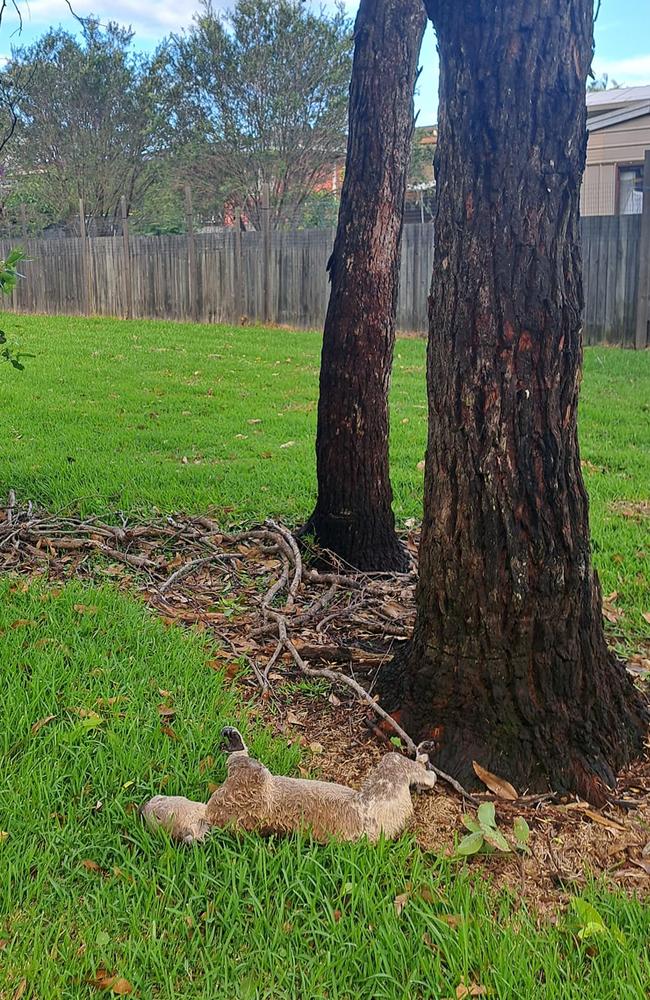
{"type": "Point", "coordinates": [251, 798]}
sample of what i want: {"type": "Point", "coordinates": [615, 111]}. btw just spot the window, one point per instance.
{"type": "Point", "coordinates": [630, 190]}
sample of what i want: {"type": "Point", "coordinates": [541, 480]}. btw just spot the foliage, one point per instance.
{"type": "Point", "coordinates": [484, 835]}
{"type": "Point", "coordinates": [86, 122]}
{"type": "Point", "coordinates": [84, 887]}
{"type": "Point", "coordinates": [591, 924]}
{"type": "Point", "coordinates": [8, 277]}
{"type": "Point", "coordinates": [134, 399]}
{"type": "Point", "coordinates": [602, 83]}
{"type": "Point", "coordinates": [319, 210]}
{"type": "Point", "coordinates": [259, 95]}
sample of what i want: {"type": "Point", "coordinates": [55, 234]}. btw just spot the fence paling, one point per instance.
{"type": "Point", "coordinates": [224, 276]}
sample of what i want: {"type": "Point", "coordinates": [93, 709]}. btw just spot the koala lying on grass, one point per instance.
{"type": "Point", "coordinates": [251, 798]}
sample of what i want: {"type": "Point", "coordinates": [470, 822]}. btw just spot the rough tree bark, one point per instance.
{"type": "Point", "coordinates": [508, 663]}
{"type": "Point", "coordinates": [353, 514]}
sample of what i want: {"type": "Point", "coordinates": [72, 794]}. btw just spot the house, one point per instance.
{"type": "Point", "coordinates": [618, 124]}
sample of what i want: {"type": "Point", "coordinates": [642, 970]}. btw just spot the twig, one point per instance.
{"type": "Point", "coordinates": [11, 504]}
{"type": "Point", "coordinates": [297, 576]}
{"type": "Point", "coordinates": [188, 568]}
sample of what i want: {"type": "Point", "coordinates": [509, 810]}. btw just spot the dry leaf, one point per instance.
{"type": "Point", "coordinates": [451, 919]}
{"type": "Point", "coordinates": [166, 711]}
{"type": "Point", "coordinates": [4, 835]}
{"type": "Point", "coordinates": [122, 987]}
{"type": "Point", "coordinates": [393, 610]}
{"type": "Point", "coordinates": [473, 990]}
{"type": "Point", "coordinates": [646, 616]}
{"type": "Point", "coordinates": [20, 989]}
{"type": "Point", "coordinates": [641, 863]}
{"type": "Point", "coordinates": [41, 722]}
{"type": "Point", "coordinates": [421, 466]}
{"type": "Point", "coordinates": [611, 824]}
{"type": "Point", "coordinates": [85, 609]}
{"type": "Point", "coordinates": [333, 700]}
{"type": "Point", "coordinates": [91, 865]}
{"type": "Point", "coordinates": [293, 719]}
{"type": "Point", "coordinates": [498, 785]}
{"type": "Point", "coordinates": [288, 444]}
{"type": "Point", "coordinates": [168, 731]}
{"type": "Point", "coordinates": [400, 902]}
{"type": "Point", "coordinates": [23, 623]}
{"type": "Point", "coordinates": [316, 747]}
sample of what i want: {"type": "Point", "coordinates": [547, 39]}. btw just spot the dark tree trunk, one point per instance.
{"type": "Point", "coordinates": [353, 514]}
{"type": "Point", "coordinates": [508, 664]}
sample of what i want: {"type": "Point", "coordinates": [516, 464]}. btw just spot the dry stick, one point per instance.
{"type": "Point", "coordinates": [277, 586]}
{"type": "Point", "coordinates": [188, 567]}
{"type": "Point", "coordinates": [338, 678]}
{"type": "Point", "coordinates": [11, 504]}
{"type": "Point", "coordinates": [297, 576]}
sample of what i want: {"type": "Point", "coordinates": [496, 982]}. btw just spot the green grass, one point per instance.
{"type": "Point", "coordinates": [236, 918]}
{"type": "Point", "coordinates": [144, 416]}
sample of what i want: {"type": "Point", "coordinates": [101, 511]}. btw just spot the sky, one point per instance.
{"type": "Point", "coordinates": [622, 35]}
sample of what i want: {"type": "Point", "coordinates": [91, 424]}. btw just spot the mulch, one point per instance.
{"type": "Point", "coordinates": [278, 621]}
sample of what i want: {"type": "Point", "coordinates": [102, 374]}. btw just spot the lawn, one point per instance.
{"type": "Point", "coordinates": [144, 417]}
{"type": "Point", "coordinates": [147, 416]}
{"type": "Point", "coordinates": [84, 887]}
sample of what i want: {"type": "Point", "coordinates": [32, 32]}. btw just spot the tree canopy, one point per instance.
{"type": "Point", "coordinates": [86, 123]}
{"type": "Point", "coordinates": [258, 95]}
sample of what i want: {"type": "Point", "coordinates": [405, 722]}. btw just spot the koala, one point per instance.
{"type": "Point", "coordinates": [251, 798]}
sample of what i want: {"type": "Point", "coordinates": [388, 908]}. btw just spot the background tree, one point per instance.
{"type": "Point", "coordinates": [353, 514]}
{"type": "Point", "coordinates": [259, 95]}
{"type": "Point", "coordinates": [508, 664]}
{"type": "Point", "coordinates": [86, 122]}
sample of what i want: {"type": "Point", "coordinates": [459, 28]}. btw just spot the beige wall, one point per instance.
{"type": "Point", "coordinates": [607, 149]}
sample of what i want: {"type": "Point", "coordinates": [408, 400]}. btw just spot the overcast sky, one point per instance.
{"type": "Point", "coordinates": [622, 35]}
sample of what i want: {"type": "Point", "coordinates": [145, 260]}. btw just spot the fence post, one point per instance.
{"type": "Point", "coordinates": [85, 259]}
{"type": "Point", "coordinates": [643, 294]}
{"type": "Point", "coordinates": [266, 252]}
{"type": "Point", "coordinates": [192, 287]}
{"type": "Point", "coordinates": [238, 305]}
{"type": "Point", "coordinates": [128, 284]}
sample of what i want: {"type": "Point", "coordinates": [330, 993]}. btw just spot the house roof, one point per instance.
{"type": "Point", "coordinates": [618, 97]}
{"type": "Point", "coordinates": [617, 116]}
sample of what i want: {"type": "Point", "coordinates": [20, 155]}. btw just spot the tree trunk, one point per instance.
{"type": "Point", "coordinates": [508, 663]}
{"type": "Point", "coordinates": [353, 514]}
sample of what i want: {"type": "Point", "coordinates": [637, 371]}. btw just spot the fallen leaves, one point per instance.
{"type": "Point", "coordinates": [400, 902]}
{"type": "Point", "coordinates": [610, 611]}
{"type": "Point", "coordinates": [473, 990]}
{"type": "Point", "coordinates": [498, 785]}
{"type": "Point", "coordinates": [104, 980]}
{"type": "Point", "coordinates": [37, 726]}
{"type": "Point", "coordinates": [596, 817]}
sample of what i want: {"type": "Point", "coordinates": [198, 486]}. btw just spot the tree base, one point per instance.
{"type": "Point", "coordinates": [566, 747]}
{"type": "Point", "coordinates": [363, 543]}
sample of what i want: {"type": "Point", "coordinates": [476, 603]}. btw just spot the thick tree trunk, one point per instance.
{"type": "Point", "coordinates": [508, 664]}
{"type": "Point", "coordinates": [353, 514]}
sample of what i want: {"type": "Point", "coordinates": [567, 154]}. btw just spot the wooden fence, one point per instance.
{"type": "Point", "coordinates": [280, 277]}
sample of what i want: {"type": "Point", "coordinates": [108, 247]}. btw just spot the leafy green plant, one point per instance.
{"type": "Point", "coordinates": [521, 831]}
{"type": "Point", "coordinates": [591, 924]}
{"type": "Point", "coordinates": [484, 835]}
{"type": "Point", "coordinates": [9, 276]}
